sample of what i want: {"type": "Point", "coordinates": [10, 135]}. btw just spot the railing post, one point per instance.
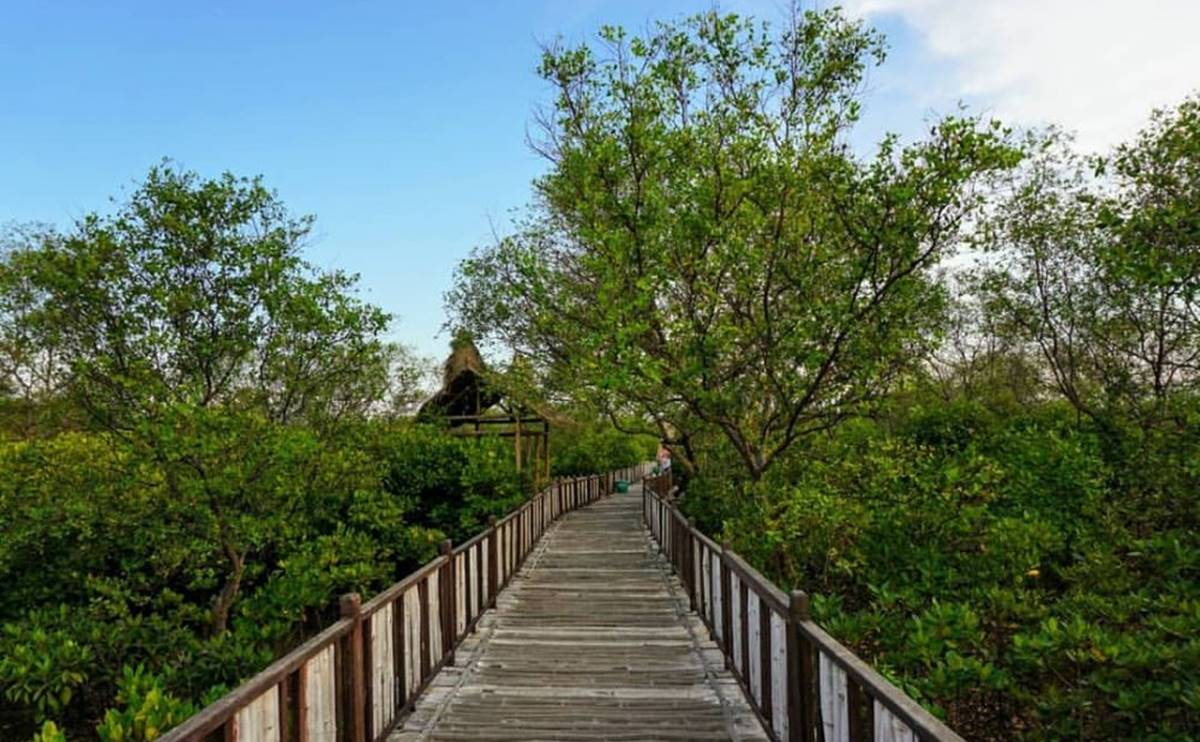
{"type": "Point", "coordinates": [726, 606]}
{"type": "Point", "coordinates": [676, 553]}
{"type": "Point", "coordinates": [801, 704]}
{"type": "Point", "coordinates": [356, 693]}
{"type": "Point", "coordinates": [493, 540]}
{"type": "Point", "coordinates": [663, 525]}
{"type": "Point", "coordinates": [424, 662]}
{"type": "Point", "coordinates": [468, 594]}
{"type": "Point", "coordinates": [448, 603]}
{"type": "Point", "coordinates": [766, 702]}
{"type": "Point", "coordinates": [691, 563]}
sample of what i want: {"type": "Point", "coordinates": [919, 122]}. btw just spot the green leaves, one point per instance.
{"type": "Point", "coordinates": [148, 711]}
{"type": "Point", "coordinates": [41, 669]}
{"type": "Point", "coordinates": [120, 550]}
{"type": "Point", "coordinates": [705, 253]}
{"type": "Point", "coordinates": [596, 447]}
{"type": "Point", "coordinates": [986, 558]}
{"type": "Point", "coordinates": [49, 733]}
{"type": "Point", "coordinates": [194, 293]}
{"type": "Point", "coordinates": [451, 483]}
{"type": "Point", "coordinates": [1096, 269]}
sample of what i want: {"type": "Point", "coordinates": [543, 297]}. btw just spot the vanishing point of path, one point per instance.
{"type": "Point", "coordinates": [592, 640]}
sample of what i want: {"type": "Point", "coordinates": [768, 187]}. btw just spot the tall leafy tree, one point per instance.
{"type": "Point", "coordinates": [31, 360]}
{"type": "Point", "coordinates": [706, 250]}
{"type": "Point", "coordinates": [1096, 265]}
{"type": "Point", "coordinates": [188, 326]}
{"type": "Point", "coordinates": [195, 293]}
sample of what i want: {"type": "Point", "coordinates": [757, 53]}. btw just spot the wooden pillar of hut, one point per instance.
{"type": "Point", "coordinates": [542, 451]}
{"type": "Point", "coordinates": [517, 440]}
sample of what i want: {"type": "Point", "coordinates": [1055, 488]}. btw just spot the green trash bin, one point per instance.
{"type": "Point", "coordinates": [622, 485]}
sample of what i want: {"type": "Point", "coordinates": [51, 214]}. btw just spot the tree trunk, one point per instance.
{"type": "Point", "coordinates": [229, 591]}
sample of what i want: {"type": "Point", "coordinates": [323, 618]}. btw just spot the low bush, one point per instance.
{"type": "Point", "coordinates": [115, 555]}
{"type": "Point", "coordinates": [582, 449]}
{"type": "Point", "coordinates": [1008, 571]}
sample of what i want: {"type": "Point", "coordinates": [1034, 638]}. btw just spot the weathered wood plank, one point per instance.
{"type": "Point", "coordinates": [460, 593]}
{"type": "Point", "coordinates": [714, 568]}
{"type": "Point", "coordinates": [890, 729]}
{"type": "Point", "coordinates": [754, 624]}
{"type": "Point", "coordinates": [258, 721]}
{"type": "Point", "coordinates": [320, 697]}
{"type": "Point", "coordinates": [738, 627]}
{"type": "Point", "coordinates": [435, 613]}
{"type": "Point", "coordinates": [779, 672]}
{"type": "Point", "coordinates": [413, 637]}
{"type": "Point", "coordinates": [835, 709]}
{"type": "Point", "coordinates": [382, 672]}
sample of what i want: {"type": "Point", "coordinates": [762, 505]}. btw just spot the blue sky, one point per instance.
{"type": "Point", "coordinates": [400, 125]}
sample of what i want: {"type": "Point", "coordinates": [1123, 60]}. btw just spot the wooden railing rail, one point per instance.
{"type": "Point", "coordinates": [353, 681]}
{"type": "Point", "coordinates": [803, 684]}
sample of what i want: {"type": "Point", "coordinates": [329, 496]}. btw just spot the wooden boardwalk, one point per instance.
{"type": "Point", "coordinates": [593, 640]}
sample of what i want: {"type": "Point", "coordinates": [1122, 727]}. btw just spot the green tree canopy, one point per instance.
{"type": "Point", "coordinates": [194, 293]}
{"type": "Point", "coordinates": [1096, 266]}
{"type": "Point", "coordinates": [706, 251]}
{"type": "Point", "coordinates": [188, 324]}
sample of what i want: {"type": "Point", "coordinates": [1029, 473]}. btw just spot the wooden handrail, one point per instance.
{"type": "Point", "coordinates": [803, 683]}
{"type": "Point", "coordinates": [355, 679]}
{"type": "Point", "coordinates": [215, 715]}
{"type": "Point", "coordinates": [390, 593]}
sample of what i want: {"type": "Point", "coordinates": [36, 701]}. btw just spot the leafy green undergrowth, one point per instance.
{"type": "Point", "coordinates": [114, 556]}
{"type": "Point", "coordinates": [586, 448]}
{"type": "Point", "coordinates": [1020, 574]}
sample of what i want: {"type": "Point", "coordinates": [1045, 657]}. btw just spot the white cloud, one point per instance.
{"type": "Point", "coordinates": [1095, 66]}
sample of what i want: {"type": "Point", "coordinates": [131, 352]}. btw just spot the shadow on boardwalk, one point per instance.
{"type": "Point", "coordinates": [593, 640]}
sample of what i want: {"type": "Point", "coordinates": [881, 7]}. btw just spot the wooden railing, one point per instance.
{"type": "Point", "coordinates": [355, 679]}
{"type": "Point", "coordinates": [803, 684]}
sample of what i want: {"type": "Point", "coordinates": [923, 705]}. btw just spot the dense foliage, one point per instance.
{"type": "Point", "coordinates": [583, 448]}
{"type": "Point", "coordinates": [1014, 536]}
{"type": "Point", "coordinates": [199, 451]}
{"type": "Point", "coordinates": [993, 562]}
{"type": "Point", "coordinates": [706, 251]}
{"type": "Point", "coordinates": [108, 573]}
{"type": "Point", "coordinates": [985, 475]}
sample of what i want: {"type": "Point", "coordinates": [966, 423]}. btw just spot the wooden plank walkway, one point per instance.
{"type": "Point", "coordinates": [593, 640]}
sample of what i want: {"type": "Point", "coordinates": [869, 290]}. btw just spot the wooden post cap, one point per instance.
{"type": "Point", "coordinates": [799, 607]}
{"type": "Point", "coordinates": [351, 604]}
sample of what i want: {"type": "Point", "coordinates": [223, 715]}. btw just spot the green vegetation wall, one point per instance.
{"type": "Point", "coordinates": [994, 563]}
{"type": "Point", "coordinates": [200, 449]}
{"type": "Point", "coordinates": [580, 448]}
{"type": "Point", "coordinates": [110, 581]}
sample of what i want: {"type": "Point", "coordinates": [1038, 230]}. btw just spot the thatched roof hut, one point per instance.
{"type": "Point", "coordinates": [465, 390]}
{"type": "Point", "coordinates": [469, 391]}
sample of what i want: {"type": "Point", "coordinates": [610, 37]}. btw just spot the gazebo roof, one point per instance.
{"type": "Point", "coordinates": [465, 391]}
